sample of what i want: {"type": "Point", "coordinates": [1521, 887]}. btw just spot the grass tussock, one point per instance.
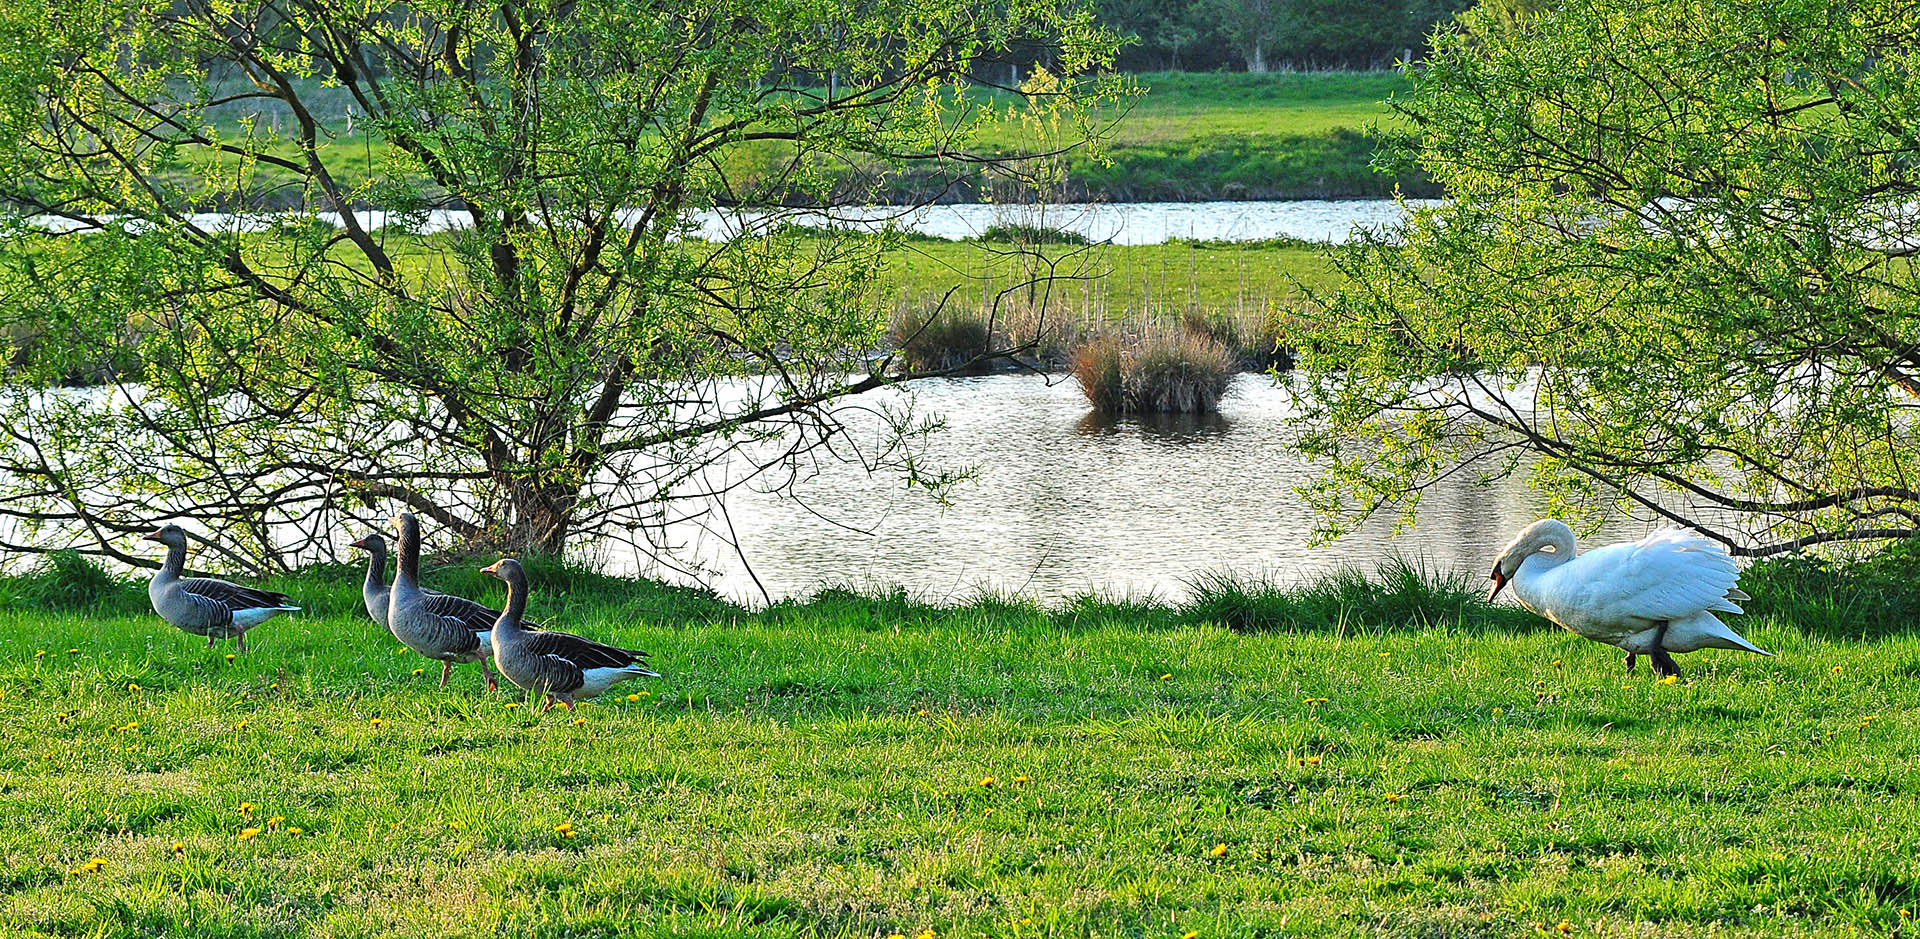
{"type": "Point", "coordinates": [1856, 598]}
{"type": "Point", "coordinates": [1174, 373]}
{"type": "Point", "coordinates": [1030, 234]}
{"type": "Point", "coordinates": [942, 341]}
{"type": "Point", "coordinates": [67, 581]}
{"type": "Point", "coordinates": [1400, 594]}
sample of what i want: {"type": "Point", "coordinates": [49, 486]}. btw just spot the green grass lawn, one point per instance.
{"type": "Point", "coordinates": [1188, 136]}
{"type": "Point", "coordinates": [1115, 282]}
{"type": "Point", "coordinates": [858, 767]}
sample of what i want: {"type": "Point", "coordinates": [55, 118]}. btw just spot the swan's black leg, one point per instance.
{"type": "Point", "coordinates": [1663, 664]}
{"type": "Point", "coordinates": [1631, 658]}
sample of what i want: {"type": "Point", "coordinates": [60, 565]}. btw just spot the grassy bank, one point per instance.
{"type": "Point", "coordinates": [1189, 136]}
{"type": "Point", "coordinates": [1351, 759]}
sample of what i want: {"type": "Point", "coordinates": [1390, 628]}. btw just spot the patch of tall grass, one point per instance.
{"type": "Point", "coordinates": [1172, 373]}
{"type": "Point", "coordinates": [1399, 594]}
{"type": "Point", "coordinates": [944, 340]}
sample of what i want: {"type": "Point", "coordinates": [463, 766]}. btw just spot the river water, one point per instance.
{"type": "Point", "coordinates": [1126, 223]}
{"type": "Point", "coordinates": [1065, 502]}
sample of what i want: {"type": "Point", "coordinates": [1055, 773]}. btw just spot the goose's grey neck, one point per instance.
{"type": "Point", "coordinates": [176, 563]}
{"type": "Point", "coordinates": [516, 600]}
{"type": "Point", "coordinates": [376, 564]}
{"type": "Point", "coordinates": [409, 569]}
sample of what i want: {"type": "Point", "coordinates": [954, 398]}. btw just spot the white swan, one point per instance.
{"type": "Point", "coordinates": [1650, 597]}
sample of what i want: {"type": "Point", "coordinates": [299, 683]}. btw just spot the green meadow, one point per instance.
{"type": "Point", "coordinates": [1365, 756]}
{"type": "Point", "coordinates": [1184, 137]}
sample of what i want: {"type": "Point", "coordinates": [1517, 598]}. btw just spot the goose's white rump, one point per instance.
{"type": "Point", "coordinates": [1649, 597]}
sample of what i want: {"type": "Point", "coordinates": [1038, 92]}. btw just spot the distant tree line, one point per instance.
{"type": "Point", "coordinates": [1264, 35]}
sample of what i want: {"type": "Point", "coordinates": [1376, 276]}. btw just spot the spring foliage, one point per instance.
{"type": "Point", "coordinates": [1674, 273]}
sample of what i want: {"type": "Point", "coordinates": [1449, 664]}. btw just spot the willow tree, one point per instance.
{"type": "Point", "coordinates": [1674, 274]}
{"type": "Point", "coordinates": [451, 266]}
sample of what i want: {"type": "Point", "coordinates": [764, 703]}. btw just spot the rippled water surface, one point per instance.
{"type": "Point", "coordinates": [1066, 502]}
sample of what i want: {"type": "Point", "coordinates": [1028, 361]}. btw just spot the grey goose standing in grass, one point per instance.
{"type": "Point", "coordinates": [436, 625]}
{"type": "Point", "coordinates": [375, 593]}
{"type": "Point", "coordinates": [204, 606]}
{"type": "Point", "coordinates": [561, 666]}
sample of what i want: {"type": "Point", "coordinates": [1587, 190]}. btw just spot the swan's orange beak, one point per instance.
{"type": "Point", "coordinates": [1499, 583]}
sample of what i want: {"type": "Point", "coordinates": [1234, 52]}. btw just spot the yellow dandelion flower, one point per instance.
{"type": "Point", "coordinates": [578, 721]}
{"type": "Point", "coordinates": [922, 712]}
{"type": "Point", "coordinates": [1384, 654]}
{"type": "Point", "coordinates": [513, 704]}
{"type": "Point", "coordinates": [568, 834]}
{"type": "Point", "coordinates": [294, 829]}
{"type": "Point", "coordinates": [274, 687]}
{"type": "Point", "coordinates": [1670, 679]}
{"type": "Point", "coordinates": [376, 722]}
{"type": "Point", "coordinates": [1836, 669]}
{"type": "Point", "coordinates": [987, 782]}
{"type": "Point", "coordinates": [456, 826]}
{"type": "Point", "coordinates": [1190, 934]}
{"type": "Point", "coordinates": [275, 821]}
{"type": "Point", "coordinates": [229, 658]}
{"type": "Point", "coordinates": [419, 671]}
{"type": "Point", "coordinates": [248, 834]}
{"type": "Point", "coordinates": [1219, 850]}
{"type": "Point", "coordinates": [1499, 711]}
{"type": "Point", "coordinates": [926, 934]}
{"type": "Point", "coordinates": [240, 726]}
{"type": "Point", "coordinates": [73, 651]}
{"type": "Point", "coordinates": [1167, 677]}
{"type": "Point", "coordinates": [133, 686]}
{"type": "Point", "coordinates": [40, 653]}
{"type": "Point", "coordinates": [1393, 797]}
{"type": "Point", "coordinates": [1563, 926]}
{"type": "Point", "coordinates": [247, 807]}
{"type": "Point", "coordinates": [633, 697]}
{"type": "Point", "coordinates": [563, 827]}
{"type": "Point", "coordinates": [1868, 719]}
{"type": "Point", "coordinates": [896, 935]}
{"type": "Point", "coordinates": [1558, 662]}
{"type": "Point", "coordinates": [646, 694]}
{"type": "Point", "coordinates": [1021, 779]}
{"type": "Point", "coordinates": [1311, 760]}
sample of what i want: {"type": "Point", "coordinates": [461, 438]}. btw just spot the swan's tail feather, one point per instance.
{"type": "Point", "coordinates": [1728, 639]}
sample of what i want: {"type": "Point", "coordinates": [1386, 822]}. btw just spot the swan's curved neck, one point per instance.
{"type": "Point", "coordinates": [1541, 559]}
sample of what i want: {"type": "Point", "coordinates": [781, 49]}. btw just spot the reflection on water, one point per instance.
{"type": "Point", "coordinates": [1065, 502]}
{"type": "Point", "coordinates": [1167, 429]}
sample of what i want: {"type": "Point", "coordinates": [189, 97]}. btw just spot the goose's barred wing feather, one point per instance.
{"type": "Point", "coordinates": [583, 653]}
{"type": "Point", "coordinates": [232, 595]}
{"type": "Point", "coordinates": [477, 617]}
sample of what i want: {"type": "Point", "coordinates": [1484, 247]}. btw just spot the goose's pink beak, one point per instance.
{"type": "Point", "coordinates": [361, 544]}
{"type": "Point", "coordinates": [493, 569]}
{"type": "Point", "coordinates": [153, 536]}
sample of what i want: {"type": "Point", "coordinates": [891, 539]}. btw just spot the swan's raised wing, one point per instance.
{"type": "Point", "coordinates": [1668, 575]}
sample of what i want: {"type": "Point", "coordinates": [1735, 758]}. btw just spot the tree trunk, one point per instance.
{"type": "Point", "coordinates": [542, 518]}
{"type": "Point", "coordinates": [1257, 59]}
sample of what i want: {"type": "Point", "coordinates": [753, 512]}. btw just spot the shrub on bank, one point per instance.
{"type": "Point", "coordinates": [1178, 373]}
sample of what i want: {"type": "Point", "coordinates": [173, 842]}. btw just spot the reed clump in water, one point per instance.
{"type": "Point", "coordinates": [942, 341]}
{"type": "Point", "coordinates": [1171, 373]}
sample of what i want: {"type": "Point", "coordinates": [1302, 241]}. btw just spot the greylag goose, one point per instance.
{"type": "Point", "coordinates": [373, 592]}
{"type": "Point", "coordinates": [204, 606]}
{"type": "Point", "coordinates": [561, 666]}
{"type": "Point", "coordinates": [436, 625]}
{"type": "Point", "coordinates": [1650, 597]}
